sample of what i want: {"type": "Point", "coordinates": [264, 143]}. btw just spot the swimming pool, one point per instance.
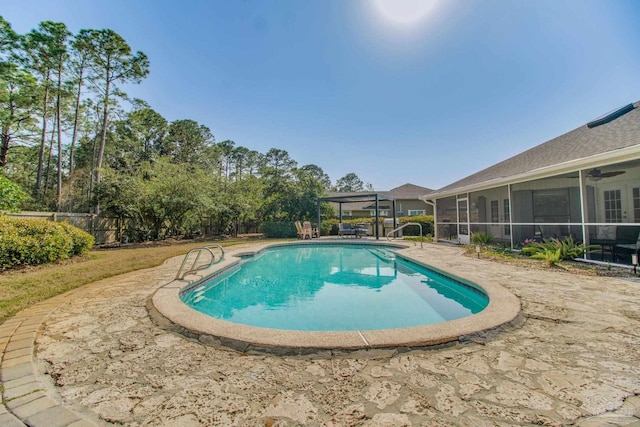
{"type": "Point", "coordinates": [167, 308]}
{"type": "Point", "coordinates": [334, 288]}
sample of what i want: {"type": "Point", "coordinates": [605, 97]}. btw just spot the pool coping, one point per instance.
{"type": "Point", "coordinates": [168, 310]}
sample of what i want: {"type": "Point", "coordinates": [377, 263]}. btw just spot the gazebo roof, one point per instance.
{"type": "Point", "coordinates": [356, 197]}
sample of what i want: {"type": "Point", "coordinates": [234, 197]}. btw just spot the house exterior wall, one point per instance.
{"type": "Point", "coordinates": [356, 213]}
{"type": "Point", "coordinates": [405, 206]}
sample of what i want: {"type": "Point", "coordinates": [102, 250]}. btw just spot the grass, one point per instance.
{"type": "Point", "coordinates": [20, 289]}
{"type": "Point", "coordinates": [425, 239]}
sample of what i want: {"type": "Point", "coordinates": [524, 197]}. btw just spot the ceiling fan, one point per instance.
{"type": "Point", "coordinates": [596, 174]}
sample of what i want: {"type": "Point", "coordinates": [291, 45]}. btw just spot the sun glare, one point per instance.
{"type": "Point", "coordinates": [404, 12]}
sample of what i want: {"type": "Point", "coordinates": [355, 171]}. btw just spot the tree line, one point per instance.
{"type": "Point", "coordinates": [72, 140]}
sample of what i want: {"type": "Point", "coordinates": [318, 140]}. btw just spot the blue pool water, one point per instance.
{"type": "Point", "coordinates": [333, 288]}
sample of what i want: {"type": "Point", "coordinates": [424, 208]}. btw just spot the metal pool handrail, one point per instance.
{"type": "Point", "coordinates": [182, 272]}
{"type": "Point", "coordinates": [403, 226]}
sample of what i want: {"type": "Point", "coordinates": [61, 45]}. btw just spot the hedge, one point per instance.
{"type": "Point", "coordinates": [37, 241]}
{"type": "Point", "coordinates": [426, 221]}
{"type": "Point", "coordinates": [278, 230]}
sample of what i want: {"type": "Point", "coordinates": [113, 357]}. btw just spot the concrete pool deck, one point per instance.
{"type": "Point", "coordinates": [94, 356]}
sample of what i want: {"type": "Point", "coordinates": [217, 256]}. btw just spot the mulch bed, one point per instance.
{"type": "Point", "coordinates": [574, 267]}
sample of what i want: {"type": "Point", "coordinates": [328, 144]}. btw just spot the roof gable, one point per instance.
{"type": "Point", "coordinates": [409, 192]}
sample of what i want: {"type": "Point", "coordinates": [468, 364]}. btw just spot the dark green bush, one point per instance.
{"type": "Point", "coordinates": [426, 221]}
{"type": "Point", "coordinates": [329, 227]}
{"type": "Point", "coordinates": [35, 241]}
{"type": "Point", "coordinates": [326, 228]}
{"type": "Point", "coordinates": [278, 230]}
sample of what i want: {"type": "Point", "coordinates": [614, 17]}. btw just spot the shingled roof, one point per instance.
{"type": "Point", "coordinates": [408, 192]}
{"type": "Point", "coordinates": [613, 131]}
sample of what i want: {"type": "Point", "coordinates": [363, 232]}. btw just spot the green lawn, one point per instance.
{"type": "Point", "coordinates": [20, 289]}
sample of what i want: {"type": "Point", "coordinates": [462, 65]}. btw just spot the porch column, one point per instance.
{"type": "Point", "coordinates": [319, 217]}
{"type": "Point", "coordinates": [394, 216]}
{"type": "Point", "coordinates": [377, 217]}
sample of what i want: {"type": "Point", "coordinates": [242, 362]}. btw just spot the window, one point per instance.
{"type": "Point", "coordinates": [636, 204]}
{"type": "Point", "coordinates": [415, 212]}
{"type": "Point", "coordinates": [494, 211]}
{"type": "Point", "coordinates": [552, 205]}
{"type": "Point", "coordinates": [382, 213]}
{"type": "Point", "coordinates": [506, 213]}
{"type": "Point", "coordinates": [612, 206]}
{"type": "Point", "coordinates": [346, 213]}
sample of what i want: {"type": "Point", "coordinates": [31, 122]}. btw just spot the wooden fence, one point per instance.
{"type": "Point", "coordinates": [105, 230]}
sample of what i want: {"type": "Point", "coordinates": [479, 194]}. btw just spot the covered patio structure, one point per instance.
{"type": "Point", "coordinates": [360, 197]}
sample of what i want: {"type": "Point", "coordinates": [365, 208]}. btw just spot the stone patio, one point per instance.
{"type": "Point", "coordinates": [94, 356]}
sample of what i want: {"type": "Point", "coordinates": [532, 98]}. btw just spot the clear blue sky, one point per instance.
{"type": "Point", "coordinates": [363, 85]}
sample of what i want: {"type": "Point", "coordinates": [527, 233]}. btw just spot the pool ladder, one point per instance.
{"type": "Point", "coordinates": [199, 251]}
{"type": "Point", "coordinates": [403, 226]}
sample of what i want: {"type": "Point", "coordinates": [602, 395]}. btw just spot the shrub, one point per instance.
{"type": "Point", "coordinates": [567, 248]}
{"type": "Point", "coordinates": [278, 230]}
{"type": "Point", "coordinates": [326, 228]}
{"type": "Point", "coordinates": [35, 241]}
{"type": "Point", "coordinates": [549, 255]}
{"type": "Point", "coordinates": [426, 221]}
{"type": "Point", "coordinates": [416, 218]}
{"type": "Point", "coordinates": [82, 241]}
{"type": "Point", "coordinates": [10, 195]}
{"type": "Point", "coordinates": [32, 242]}
{"type": "Point", "coordinates": [482, 239]}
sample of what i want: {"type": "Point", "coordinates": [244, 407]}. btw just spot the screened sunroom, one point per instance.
{"type": "Point", "coordinates": [591, 194]}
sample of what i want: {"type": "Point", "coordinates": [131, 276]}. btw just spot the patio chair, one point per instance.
{"type": "Point", "coordinates": [299, 230]}
{"type": "Point", "coordinates": [309, 231]}
{"type": "Point", "coordinates": [622, 250]}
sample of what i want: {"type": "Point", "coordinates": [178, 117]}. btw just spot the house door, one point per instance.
{"type": "Point", "coordinates": [613, 205]}
{"type": "Point", "coordinates": [463, 222]}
